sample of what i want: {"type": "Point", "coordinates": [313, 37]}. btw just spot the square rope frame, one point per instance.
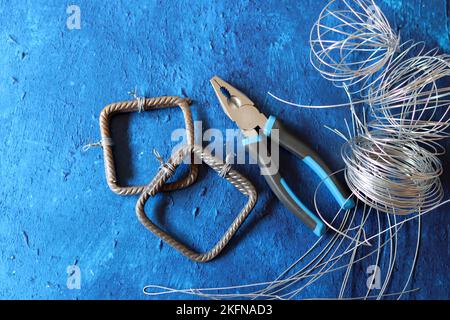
{"type": "Point", "coordinates": [138, 105]}
{"type": "Point", "coordinates": [235, 178]}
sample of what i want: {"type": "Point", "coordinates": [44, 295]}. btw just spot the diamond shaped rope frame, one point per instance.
{"type": "Point", "coordinates": [235, 178]}
{"type": "Point", "coordinates": [136, 106]}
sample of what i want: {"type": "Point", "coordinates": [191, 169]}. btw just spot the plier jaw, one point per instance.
{"type": "Point", "coordinates": [238, 107]}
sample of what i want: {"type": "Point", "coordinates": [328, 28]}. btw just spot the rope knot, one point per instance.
{"type": "Point", "coordinates": [100, 144]}
{"type": "Point", "coordinates": [227, 165]}
{"type": "Point", "coordinates": [140, 100]}
{"type": "Point", "coordinates": [166, 166]}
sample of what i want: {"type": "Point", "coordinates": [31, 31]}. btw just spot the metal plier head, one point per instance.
{"type": "Point", "coordinates": [238, 107]}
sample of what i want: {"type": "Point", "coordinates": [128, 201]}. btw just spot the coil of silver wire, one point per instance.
{"type": "Point", "coordinates": [350, 42]}
{"type": "Point", "coordinates": [392, 163]}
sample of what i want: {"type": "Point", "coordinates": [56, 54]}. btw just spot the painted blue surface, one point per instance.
{"type": "Point", "coordinates": [343, 202]}
{"type": "Point", "coordinates": [56, 209]}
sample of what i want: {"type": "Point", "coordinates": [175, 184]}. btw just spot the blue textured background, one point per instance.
{"type": "Point", "coordinates": [55, 207]}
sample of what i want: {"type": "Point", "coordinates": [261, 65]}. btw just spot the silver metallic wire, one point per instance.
{"type": "Point", "coordinates": [413, 98]}
{"type": "Point", "coordinates": [351, 41]}
{"type": "Point", "coordinates": [391, 175]}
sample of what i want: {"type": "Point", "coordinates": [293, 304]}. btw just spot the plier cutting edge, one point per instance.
{"type": "Point", "coordinates": [256, 128]}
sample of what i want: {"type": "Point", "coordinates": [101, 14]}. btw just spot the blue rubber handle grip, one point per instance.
{"type": "Point", "coordinates": [280, 187]}
{"type": "Point", "coordinates": [312, 159]}
{"type": "Point", "coordinates": [319, 228]}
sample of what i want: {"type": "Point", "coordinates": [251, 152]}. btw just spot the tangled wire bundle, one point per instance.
{"type": "Point", "coordinates": [391, 162]}
{"type": "Point", "coordinates": [351, 41]}
{"type": "Point", "coordinates": [411, 100]}
{"type": "Point", "coordinates": [392, 175]}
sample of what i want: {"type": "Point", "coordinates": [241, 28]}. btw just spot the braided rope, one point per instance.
{"type": "Point", "coordinates": [158, 183]}
{"type": "Point", "coordinates": [136, 106]}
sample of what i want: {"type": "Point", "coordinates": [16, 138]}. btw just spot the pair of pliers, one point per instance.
{"type": "Point", "coordinates": [256, 128]}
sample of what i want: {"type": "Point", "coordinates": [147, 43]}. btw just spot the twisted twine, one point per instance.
{"type": "Point", "coordinates": [158, 182]}
{"type": "Point", "coordinates": [167, 170]}
{"type": "Point", "coordinates": [134, 106]}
